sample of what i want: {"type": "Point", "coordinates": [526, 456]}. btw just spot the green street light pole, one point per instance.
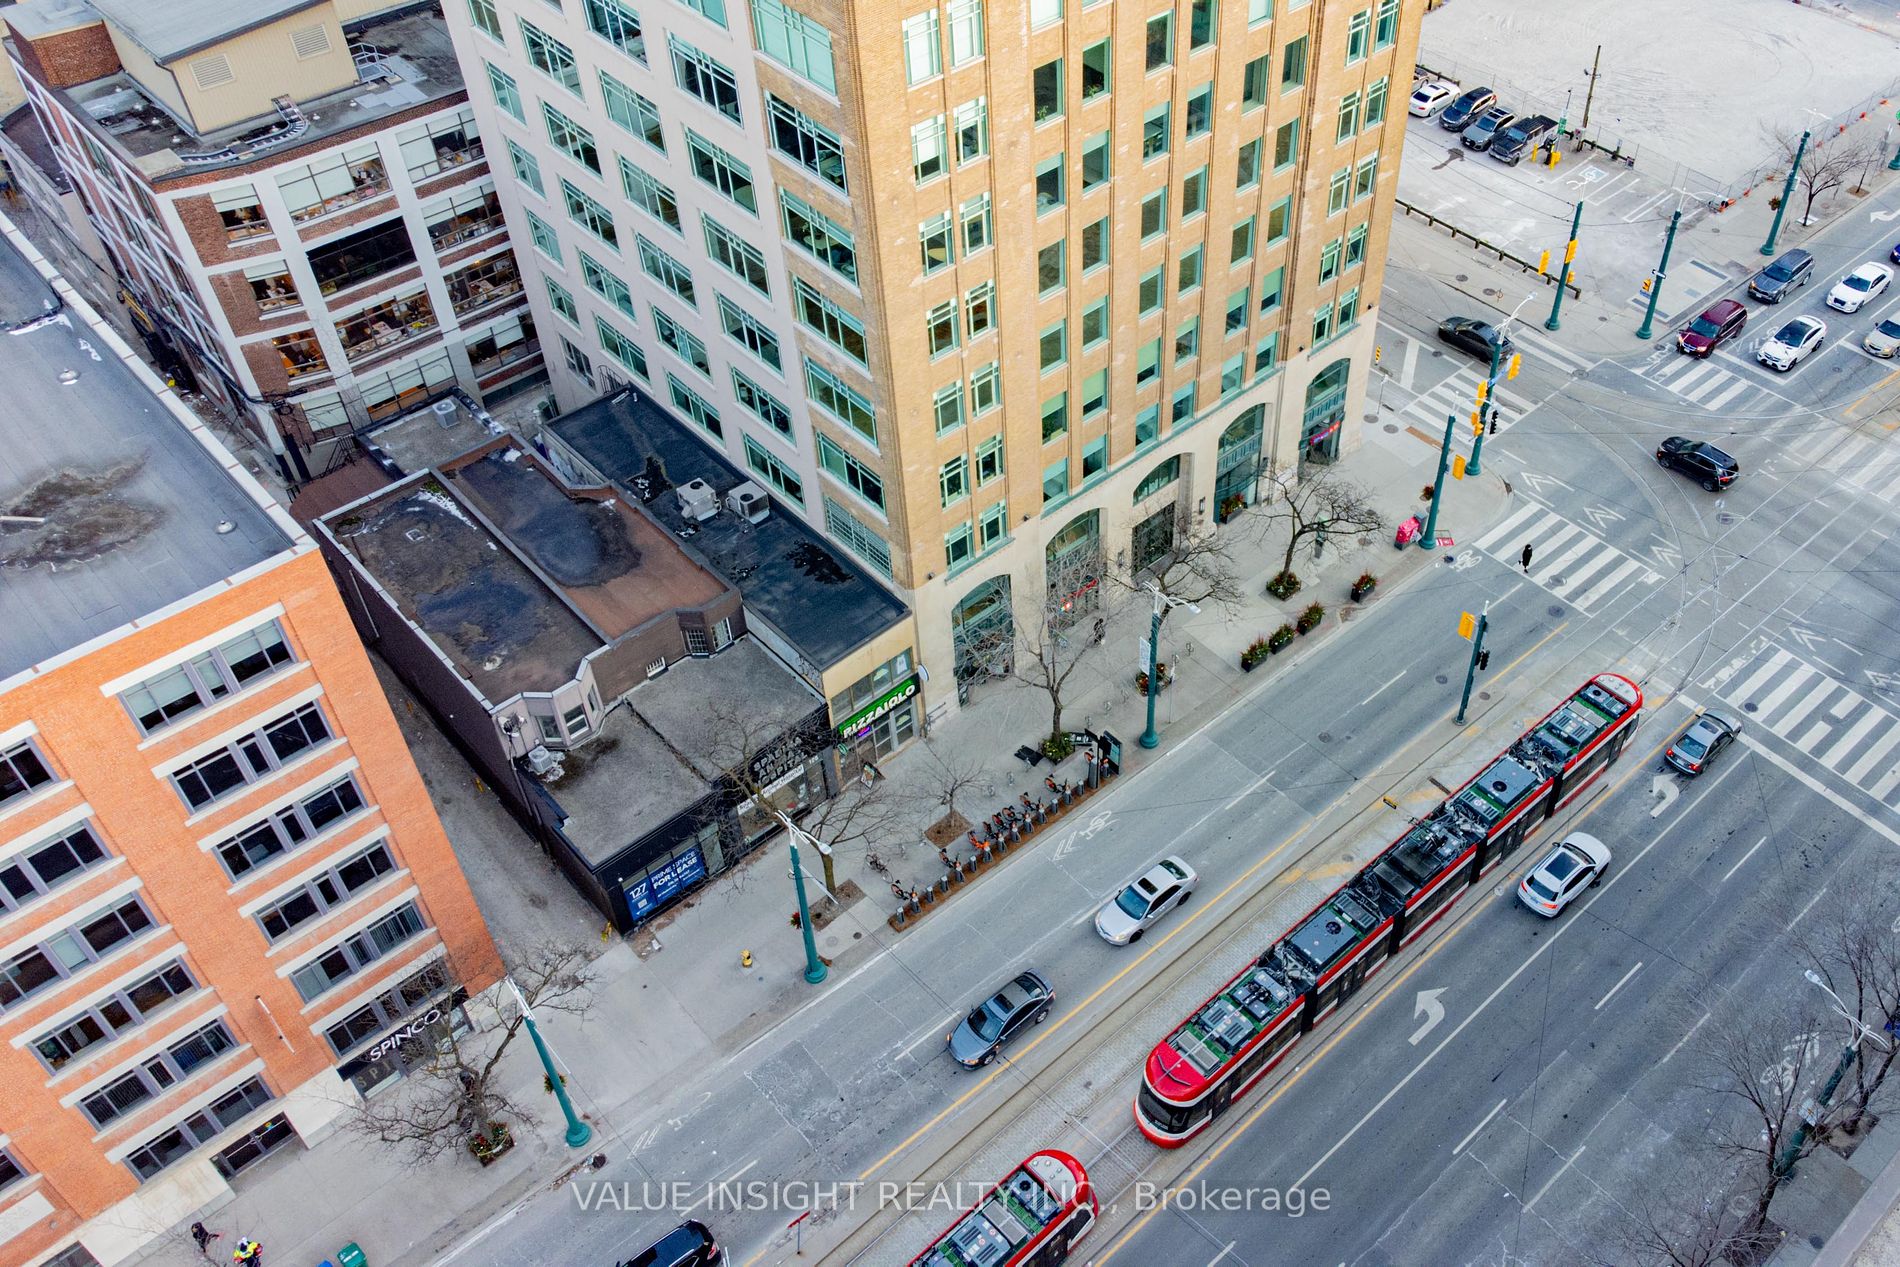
{"type": "Point", "coordinates": [1488, 410]}
{"type": "Point", "coordinates": [1471, 669]}
{"type": "Point", "coordinates": [1151, 738]}
{"type": "Point", "coordinates": [1428, 538]}
{"type": "Point", "coordinates": [1655, 287]}
{"type": "Point", "coordinates": [1787, 192]}
{"type": "Point", "coordinates": [815, 970]}
{"type": "Point", "coordinates": [1563, 278]}
{"type": "Point", "coordinates": [578, 1132]}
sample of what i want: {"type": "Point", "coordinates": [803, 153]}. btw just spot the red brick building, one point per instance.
{"type": "Point", "coordinates": [225, 896]}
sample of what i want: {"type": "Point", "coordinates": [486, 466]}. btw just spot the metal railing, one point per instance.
{"type": "Point", "coordinates": [1439, 222]}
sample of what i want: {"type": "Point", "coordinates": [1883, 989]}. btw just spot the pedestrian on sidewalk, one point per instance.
{"type": "Point", "coordinates": [1525, 558]}
{"type": "Point", "coordinates": [204, 1236]}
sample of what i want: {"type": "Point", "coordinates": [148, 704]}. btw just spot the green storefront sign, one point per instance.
{"type": "Point", "coordinates": [891, 699]}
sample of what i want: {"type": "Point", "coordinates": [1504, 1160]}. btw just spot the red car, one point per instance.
{"type": "Point", "coordinates": [1720, 322]}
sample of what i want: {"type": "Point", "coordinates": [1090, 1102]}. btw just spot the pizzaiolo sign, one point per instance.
{"type": "Point", "coordinates": [883, 704]}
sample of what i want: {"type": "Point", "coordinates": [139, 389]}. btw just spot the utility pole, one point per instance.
{"type": "Point", "coordinates": [1787, 192]}
{"type": "Point", "coordinates": [1487, 399]}
{"type": "Point", "coordinates": [815, 970]}
{"type": "Point", "coordinates": [1590, 96]}
{"type": "Point", "coordinates": [1563, 278]}
{"type": "Point", "coordinates": [1480, 658]}
{"type": "Point", "coordinates": [1151, 738]}
{"type": "Point", "coordinates": [1655, 286]}
{"type": "Point", "coordinates": [1428, 538]}
{"type": "Point", "coordinates": [578, 1132]}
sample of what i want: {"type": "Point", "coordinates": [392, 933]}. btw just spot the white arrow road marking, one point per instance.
{"type": "Point", "coordinates": [1808, 639]}
{"type": "Point", "coordinates": [1884, 216]}
{"type": "Point", "coordinates": [1601, 516]}
{"type": "Point", "coordinates": [1432, 1010]}
{"type": "Point", "coordinates": [1540, 482]}
{"type": "Point", "coordinates": [1663, 785]}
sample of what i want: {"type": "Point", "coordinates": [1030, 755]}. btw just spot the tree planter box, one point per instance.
{"type": "Point", "coordinates": [1360, 593]}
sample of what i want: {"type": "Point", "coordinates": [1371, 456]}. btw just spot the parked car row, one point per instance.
{"type": "Point", "coordinates": [1800, 336]}
{"type": "Point", "coordinates": [1482, 124]}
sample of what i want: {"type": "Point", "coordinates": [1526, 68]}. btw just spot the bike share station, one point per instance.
{"type": "Point", "coordinates": [1020, 823]}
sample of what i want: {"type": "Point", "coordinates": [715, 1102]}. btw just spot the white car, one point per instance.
{"type": "Point", "coordinates": [1160, 889]}
{"type": "Point", "coordinates": [1792, 342]}
{"type": "Point", "coordinates": [1884, 339]}
{"type": "Point", "coordinates": [1576, 864]}
{"type": "Point", "coordinates": [1859, 286]}
{"type": "Point", "coordinates": [1430, 97]}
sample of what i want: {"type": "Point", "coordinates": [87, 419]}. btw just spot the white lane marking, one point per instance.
{"type": "Point", "coordinates": [1685, 1038]}
{"type": "Point", "coordinates": [1226, 1249]}
{"type": "Point", "coordinates": [1480, 1126]}
{"type": "Point", "coordinates": [1409, 366]}
{"type": "Point", "coordinates": [1825, 793]}
{"type": "Point", "coordinates": [1628, 869]}
{"type": "Point", "coordinates": [934, 1029]}
{"type": "Point", "coordinates": [1553, 1179]}
{"type": "Point", "coordinates": [1376, 694]}
{"type": "Point", "coordinates": [1745, 857]}
{"type": "Point", "coordinates": [734, 1177]}
{"type": "Point", "coordinates": [1804, 910]}
{"type": "Point", "coordinates": [1618, 986]}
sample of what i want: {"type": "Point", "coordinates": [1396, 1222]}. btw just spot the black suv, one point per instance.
{"type": "Point", "coordinates": [1523, 137]}
{"type": "Point", "coordinates": [1773, 283]}
{"type": "Point", "coordinates": [1699, 460]}
{"type": "Point", "coordinates": [1469, 106]}
{"type": "Point", "coordinates": [688, 1245]}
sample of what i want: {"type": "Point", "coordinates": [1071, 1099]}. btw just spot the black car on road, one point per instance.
{"type": "Point", "coordinates": [1459, 114]}
{"type": "Point", "coordinates": [1468, 334]}
{"type": "Point", "coordinates": [1699, 460]}
{"type": "Point", "coordinates": [688, 1245]}
{"type": "Point", "coordinates": [1021, 1002]}
{"type": "Point", "coordinates": [1773, 283]}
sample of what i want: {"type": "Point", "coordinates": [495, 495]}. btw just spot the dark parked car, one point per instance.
{"type": "Point", "coordinates": [1523, 137]}
{"type": "Point", "coordinates": [1468, 334]}
{"type": "Point", "coordinates": [1696, 748]}
{"type": "Point", "coordinates": [1486, 127]}
{"type": "Point", "coordinates": [1719, 322]}
{"type": "Point", "coordinates": [1699, 460]}
{"type": "Point", "coordinates": [1021, 1002]}
{"type": "Point", "coordinates": [1774, 283]}
{"type": "Point", "coordinates": [1459, 114]}
{"type": "Point", "coordinates": [688, 1245]}
{"type": "Point", "coordinates": [1894, 254]}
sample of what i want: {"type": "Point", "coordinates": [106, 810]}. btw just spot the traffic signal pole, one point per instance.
{"type": "Point", "coordinates": [1655, 286]}
{"type": "Point", "coordinates": [1471, 670]}
{"type": "Point", "coordinates": [1429, 538]}
{"type": "Point", "coordinates": [1487, 409]}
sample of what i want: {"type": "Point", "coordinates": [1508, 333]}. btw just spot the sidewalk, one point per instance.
{"type": "Point", "coordinates": [673, 998]}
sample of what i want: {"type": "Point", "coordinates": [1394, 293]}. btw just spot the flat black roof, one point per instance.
{"type": "Point", "coordinates": [807, 588]}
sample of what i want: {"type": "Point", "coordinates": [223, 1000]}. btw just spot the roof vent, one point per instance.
{"type": "Point", "coordinates": [698, 501]}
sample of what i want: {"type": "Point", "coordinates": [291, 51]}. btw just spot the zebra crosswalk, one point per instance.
{"type": "Point", "coordinates": [1571, 562]}
{"type": "Point", "coordinates": [1822, 717]}
{"type": "Point", "coordinates": [1456, 394]}
{"type": "Point", "coordinates": [1708, 384]}
{"type": "Point", "coordinates": [1868, 463]}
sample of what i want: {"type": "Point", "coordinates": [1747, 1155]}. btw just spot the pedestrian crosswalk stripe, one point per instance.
{"type": "Point", "coordinates": [1538, 347]}
{"type": "Point", "coordinates": [1874, 756]}
{"type": "Point", "coordinates": [1762, 675]}
{"type": "Point", "coordinates": [1821, 716]}
{"type": "Point", "coordinates": [1568, 560]}
{"type": "Point", "coordinates": [1716, 402]}
{"type": "Point", "coordinates": [1856, 734]}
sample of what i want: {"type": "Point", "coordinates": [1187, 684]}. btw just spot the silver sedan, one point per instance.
{"type": "Point", "coordinates": [1159, 890]}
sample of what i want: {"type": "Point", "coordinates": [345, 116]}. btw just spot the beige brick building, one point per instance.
{"type": "Point", "coordinates": [975, 285]}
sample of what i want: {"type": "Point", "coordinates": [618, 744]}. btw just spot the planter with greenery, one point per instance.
{"type": "Point", "coordinates": [1425, 494]}
{"type": "Point", "coordinates": [1277, 640]}
{"type": "Point", "coordinates": [1231, 505]}
{"type": "Point", "coordinates": [1284, 585]}
{"type": "Point", "coordinates": [1310, 618]}
{"type": "Point", "coordinates": [1141, 679]}
{"type": "Point", "coordinates": [1363, 586]}
{"type": "Point", "coordinates": [1058, 746]}
{"type": "Point", "coordinates": [497, 1141]}
{"type": "Point", "coordinates": [1256, 651]}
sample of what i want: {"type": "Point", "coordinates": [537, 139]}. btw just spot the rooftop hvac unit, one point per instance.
{"type": "Point", "coordinates": [698, 501]}
{"type": "Point", "coordinates": [541, 761]}
{"type": "Point", "coordinates": [545, 410]}
{"type": "Point", "coordinates": [749, 502]}
{"type": "Point", "coordinates": [445, 412]}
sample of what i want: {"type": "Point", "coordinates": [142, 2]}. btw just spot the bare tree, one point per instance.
{"type": "Point", "coordinates": [949, 775]}
{"type": "Point", "coordinates": [1052, 642]}
{"type": "Point", "coordinates": [454, 1100]}
{"type": "Point", "coordinates": [1313, 506]}
{"type": "Point", "coordinates": [1690, 1222]}
{"type": "Point", "coordinates": [1852, 945]}
{"type": "Point", "coordinates": [1763, 1068]}
{"type": "Point", "coordinates": [1827, 163]}
{"type": "Point", "coordinates": [1195, 568]}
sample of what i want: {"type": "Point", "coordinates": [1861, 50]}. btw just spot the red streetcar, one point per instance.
{"type": "Point", "coordinates": [1234, 1038]}
{"type": "Point", "coordinates": [1031, 1219]}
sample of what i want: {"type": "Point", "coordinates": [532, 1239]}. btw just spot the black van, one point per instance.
{"type": "Point", "coordinates": [1523, 137]}
{"type": "Point", "coordinates": [1791, 271]}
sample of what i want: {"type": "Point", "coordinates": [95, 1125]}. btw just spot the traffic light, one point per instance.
{"type": "Point", "coordinates": [1484, 389]}
{"type": "Point", "coordinates": [1484, 661]}
{"type": "Point", "coordinates": [1517, 361]}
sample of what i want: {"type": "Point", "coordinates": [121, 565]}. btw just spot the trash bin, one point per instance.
{"type": "Point", "coordinates": [351, 1255]}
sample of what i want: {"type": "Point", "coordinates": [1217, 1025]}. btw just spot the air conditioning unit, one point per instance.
{"type": "Point", "coordinates": [445, 412]}
{"type": "Point", "coordinates": [542, 761]}
{"type": "Point", "coordinates": [545, 410]}
{"type": "Point", "coordinates": [749, 502]}
{"type": "Point", "coordinates": [698, 501]}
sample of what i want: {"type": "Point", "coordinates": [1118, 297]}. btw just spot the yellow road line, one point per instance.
{"type": "Point", "coordinates": [1391, 988]}
{"type": "Point", "coordinates": [1868, 395]}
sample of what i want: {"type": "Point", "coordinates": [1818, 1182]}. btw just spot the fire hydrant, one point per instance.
{"type": "Point", "coordinates": [745, 959]}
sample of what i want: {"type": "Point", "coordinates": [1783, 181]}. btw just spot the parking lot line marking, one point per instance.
{"type": "Point", "coordinates": [1680, 1041]}
{"type": "Point", "coordinates": [1744, 858]}
{"type": "Point", "coordinates": [1618, 986]}
{"type": "Point", "coordinates": [1553, 1179]}
{"type": "Point", "coordinates": [1480, 1126]}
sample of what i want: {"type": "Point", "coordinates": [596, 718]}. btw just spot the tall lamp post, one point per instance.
{"type": "Point", "coordinates": [1151, 738]}
{"type": "Point", "coordinates": [1563, 278]}
{"type": "Point", "coordinates": [1787, 192]}
{"type": "Point", "coordinates": [1784, 1164]}
{"type": "Point", "coordinates": [578, 1132]}
{"type": "Point", "coordinates": [1488, 411]}
{"type": "Point", "coordinates": [815, 969]}
{"type": "Point", "coordinates": [1655, 287]}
